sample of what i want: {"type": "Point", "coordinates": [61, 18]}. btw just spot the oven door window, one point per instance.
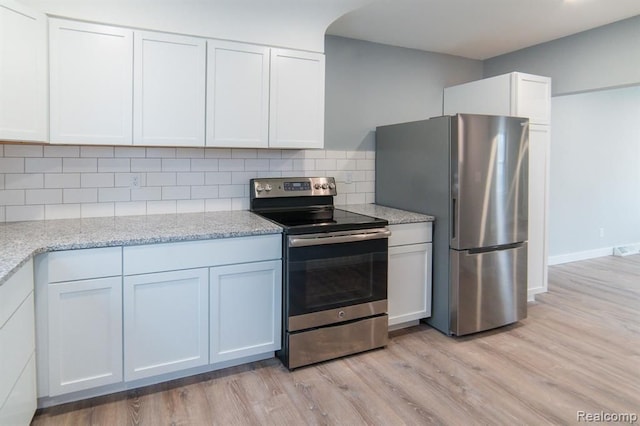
{"type": "Point", "coordinates": [335, 275]}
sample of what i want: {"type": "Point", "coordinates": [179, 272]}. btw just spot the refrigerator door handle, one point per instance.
{"type": "Point", "coordinates": [496, 248]}
{"type": "Point", "coordinates": [454, 217]}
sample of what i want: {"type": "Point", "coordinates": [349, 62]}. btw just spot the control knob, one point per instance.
{"type": "Point", "coordinates": [325, 185]}
{"type": "Point", "coordinates": [316, 186]}
{"type": "Point", "coordinates": [259, 188]}
{"type": "Point", "coordinates": [268, 187]}
{"type": "Point", "coordinates": [332, 185]}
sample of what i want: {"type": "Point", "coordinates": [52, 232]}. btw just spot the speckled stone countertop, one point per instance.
{"type": "Point", "coordinates": [393, 216]}
{"type": "Point", "coordinates": [19, 241]}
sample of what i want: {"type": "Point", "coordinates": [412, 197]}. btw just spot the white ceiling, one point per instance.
{"type": "Point", "coordinates": [477, 29]}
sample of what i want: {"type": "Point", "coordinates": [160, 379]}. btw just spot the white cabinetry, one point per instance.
{"type": "Point", "coordinates": [409, 278]}
{"type": "Point", "coordinates": [82, 340]}
{"type": "Point", "coordinates": [91, 83]}
{"type": "Point", "coordinates": [166, 318]}
{"type": "Point", "coordinates": [17, 348]}
{"type": "Point", "coordinates": [296, 100]}
{"type": "Point", "coordinates": [169, 90]}
{"type": "Point", "coordinates": [246, 301]}
{"type": "Point", "coordinates": [23, 73]}
{"type": "Point", "coordinates": [522, 95]}
{"type": "Point", "coordinates": [237, 95]}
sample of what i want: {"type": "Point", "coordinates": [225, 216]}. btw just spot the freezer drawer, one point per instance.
{"type": "Point", "coordinates": [488, 288]}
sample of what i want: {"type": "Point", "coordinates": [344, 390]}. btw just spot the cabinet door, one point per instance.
{"type": "Point", "coordinates": [296, 99]}
{"type": "Point", "coordinates": [166, 322]}
{"type": "Point", "coordinates": [23, 73]}
{"type": "Point", "coordinates": [246, 313]}
{"type": "Point", "coordinates": [532, 97]}
{"type": "Point", "coordinates": [169, 90]}
{"type": "Point", "coordinates": [539, 154]}
{"type": "Point", "coordinates": [85, 334]}
{"type": "Point", "coordinates": [409, 291]}
{"type": "Point", "coordinates": [91, 80]}
{"type": "Point", "coordinates": [237, 95]}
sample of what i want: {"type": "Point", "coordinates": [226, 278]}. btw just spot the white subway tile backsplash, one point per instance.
{"type": "Point", "coordinates": [161, 179]}
{"type": "Point", "coordinates": [204, 165]}
{"type": "Point", "coordinates": [231, 191]}
{"type": "Point", "coordinates": [190, 206]}
{"type": "Point", "coordinates": [190, 153]}
{"type": "Point", "coordinates": [231, 165]}
{"type": "Point", "coordinates": [97, 210]}
{"type": "Point", "coordinates": [244, 153]}
{"type": "Point", "coordinates": [176, 165]}
{"type": "Point", "coordinates": [61, 151]}
{"type": "Point", "coordinates": [217, 178]}
{"type": "Point", "coordinates": [20, 213]}
{"type": "Point", "coordinates": [129, 152]}
{"type": "Point", "coordinates": [370, 198]}
{"type": "Point", "coordinates": [92, 181]}
{"type": "Point", "coordinates": [24, 181]}
{"type": "Point", "coordinates": [79, 165]}
{"type": "Point", "coordinates": [12, 197]}
{"type": "Point", "coordinates": [96, 151]}
{"type": "Point", "coordinates": [176, 193]}
{"type": "Point", "coordinates": [97, 180]}
{"type": "Point", "coordinates": [120, 165]}
{"type": "Point", "coordinates": [113, 194]}
{"type": "Point", "coordinates": [161, 153]}
{"type": "Point", "coordinates": [23, 151]}
{"type": "Point", "coordinates": [62, 180]}
{"type": "Point", "coordinates": [217, 204]}
{"type": "Point", "coordinates": [43, 196]}
{"type": "Point", "coordinates": [12, 165]}
{"type": "Point", "coordinates": [162, 207]}
{"type": "Point", "coordinates": [146, 165]}
{"type": "Point", "coordinates": [80, 195]}
{"type": "Point", "coordinates": [146, 194]}
{"type": "Point", "coordinates": [204, 192]}
{"type": "Point", "coordinates": [43, 165]}
{"type": "Point", "coordinates": [190, 178]}
{"type": "Point", "coordinates": [217, 153]}
{"type": "Point", "coordinates": [131, 208]}
{"type": "Point", "coordinates": [61, 211]}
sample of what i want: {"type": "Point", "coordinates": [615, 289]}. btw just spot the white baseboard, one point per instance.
{"type": "Point", "coordinates": [581, 255]}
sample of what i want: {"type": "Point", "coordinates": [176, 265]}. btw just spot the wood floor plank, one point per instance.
{"type": "Point", "coordinates": [578, 350]}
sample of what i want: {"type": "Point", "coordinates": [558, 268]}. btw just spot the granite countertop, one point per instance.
{"type": "Point", "coordinates": [393, 216]}
{"type": "Point", "coordinates": [19, 241]}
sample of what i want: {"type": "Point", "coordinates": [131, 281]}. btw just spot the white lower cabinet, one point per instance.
{"type": "Point", "coordinates": [85, 334]}
{"type": "Point", "coordinates": [409, 278]}
{"type": "Point", "coordinates": [166, 322]}
{"type": "Point", "coordinates": [245, 305]}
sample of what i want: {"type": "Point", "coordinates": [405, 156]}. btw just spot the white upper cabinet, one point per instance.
{"type": "Point", "coordinates": [23, 73]}
{"type": "Point", "coordinates": [91, 84]}
{"type": "Point", "coordinates": [237, 95]}
{"type": "Point", "coordinates": [516, 94]}
{"type": "Point", "coordinates": [169, 90]}
{"type": "Point", "coordinates": [296, 100]}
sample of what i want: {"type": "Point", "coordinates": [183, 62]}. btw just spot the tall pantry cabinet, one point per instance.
{"type": "Point", "coordinates": [522, 95]}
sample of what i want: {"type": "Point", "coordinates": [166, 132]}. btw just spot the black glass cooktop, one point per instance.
{"type": "Point", "coordinates": [302, 221]}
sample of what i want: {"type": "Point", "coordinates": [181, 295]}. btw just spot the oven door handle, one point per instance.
{"type": "Point", "coordinates": [338, 237]}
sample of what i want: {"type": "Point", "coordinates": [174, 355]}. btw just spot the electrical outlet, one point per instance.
{"type": "Point", "coordinates": [134, 181]}
{"type": "Point", "coordinates": [348, 177]}
{"type": "Point", "coordinates": [601, 232]}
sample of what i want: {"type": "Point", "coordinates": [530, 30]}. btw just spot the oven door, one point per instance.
{"type": "Point", "coordinates": [336, 276]}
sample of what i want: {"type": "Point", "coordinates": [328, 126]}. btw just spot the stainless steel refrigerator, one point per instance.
{"type": "Point", "coordinates": [470, 172]}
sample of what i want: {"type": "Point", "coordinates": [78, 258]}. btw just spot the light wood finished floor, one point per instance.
{"type": "Point", "coordinates": [578, 350]}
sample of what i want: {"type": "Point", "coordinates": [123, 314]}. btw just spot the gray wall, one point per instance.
{"type": "Point", "coordinates": [369, 84]}
{"type": "Point", "coordinates": [604, 57]}
{"type": "Point", "coordinates": [595, 136]}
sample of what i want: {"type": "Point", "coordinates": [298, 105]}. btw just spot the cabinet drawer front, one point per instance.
{"type": "Point", "coordinates": [198, 254]}
{"type": "Point", "coordinates": [17, 343]}
{"type": "Point", "coordinates": [74, 265]}
{"type": "Point", "coordinates": [410, 233]}
{"type": "Point", "coordinates": [15, 290]}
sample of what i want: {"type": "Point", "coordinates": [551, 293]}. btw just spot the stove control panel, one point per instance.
{"type": "Point", "coordinates": [292, 187]}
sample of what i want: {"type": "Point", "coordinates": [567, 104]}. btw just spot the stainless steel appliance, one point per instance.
{"type": "Point", "coordinates": [471, 173]}
{"type": "Point", "coordinates": [334, 270]}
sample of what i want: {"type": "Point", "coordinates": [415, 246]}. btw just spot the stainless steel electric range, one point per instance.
{"type": "Point", "coordinates": [334, 270]}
